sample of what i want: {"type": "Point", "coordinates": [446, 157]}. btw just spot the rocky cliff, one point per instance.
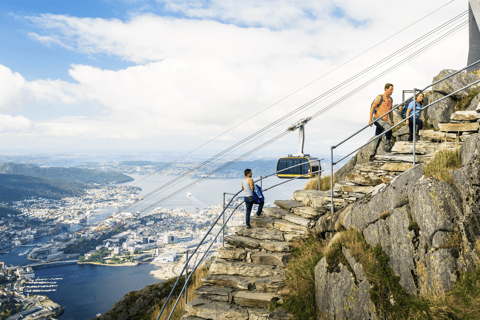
{"type": "Point", "coordinates": [421, 231]}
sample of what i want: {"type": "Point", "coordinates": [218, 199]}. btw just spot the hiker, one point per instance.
{"type": "Point", "coordinates": [418, 122]}
{"type": "Point", "coordinates": [248, 187]}
{"type": "Point", "coordinates": [381, 105]}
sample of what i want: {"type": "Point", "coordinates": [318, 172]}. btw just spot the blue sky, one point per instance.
{"type": "Point", "coordinates": [153, 75]}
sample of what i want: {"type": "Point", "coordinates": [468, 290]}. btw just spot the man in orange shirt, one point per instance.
{"type": "Point", "coordinates": [381, 105]}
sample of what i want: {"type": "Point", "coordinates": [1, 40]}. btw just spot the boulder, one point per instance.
{"type": "Point", "coordinates": [439, 112]}
{"type": "Point", "coordinates": [337, 294]}
{"type": "Point", "coordinates": [455, 83]}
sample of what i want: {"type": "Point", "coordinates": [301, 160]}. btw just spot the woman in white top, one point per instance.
{"type": "Point", "coordinates": [247, 187]}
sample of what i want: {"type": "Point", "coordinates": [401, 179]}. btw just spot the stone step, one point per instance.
{"type": "Point", "coordinates": [274, 212]}
{"type": "Point", "coordinates": [364, 180]}
{"type": "Point", "coordinates": [234, 268]}
{"type": "Point", "coordinates": [216, 293]}
{"type": "Point", "coordinates": [242, 242]}
{"type": "Point", "coordinates": [246, 242]}
{"type": "Point", "coordinates": [208, 309]}
{"type": "Point", "coordinates": [296, 219]}
{"type": "Point", "coordinates": [465, 116]}
{"type": "Point", "coordinates": [261, 233]}
{"type": "Point", "coordinates": [458, 127]}
{"type": "Point", "coordinates": [405, 158]}
{"type": "Point", "coordinates": [288, 204]}
{"type": "Point", "coordinates": [256, 299]}
{"type": "Point", "coordinates": [261, 284]}
{"type": "Point", "coordinates": [437, 136]}
{"type": "Point", "coordinates": [308, 212]}
{"type": "Point", "coordinates": [201, 308]}
{"type": "Point", "coordinates": [287, 226]}
{"type": "Point", "coordinates": [271, 259]}
{"type": "Point", "coordinates": [234, 253]}
{"type": "Point", "coordinates": [188, 317]}
{"type": "Point", "coordinates": [261, 222]}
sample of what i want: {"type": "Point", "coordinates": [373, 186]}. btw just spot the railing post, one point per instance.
{"type": "Point", "coordinates": [186, 278]}
{"type": "Point", "coordinates": [319, 172]}
{"type": "Point", "coordinates": [331, 177]}
{"type": "Point", "coordinates": [223, 225]}
{"type": "Point", "coordinates": [261, 182]}
{"type": "Point", "coordinates": [414, 124]}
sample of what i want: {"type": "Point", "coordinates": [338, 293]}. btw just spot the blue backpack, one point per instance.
{"type": "Point", "coordinates": [405, 108]}
{"type": "Point", "coordinates": [258, 195]}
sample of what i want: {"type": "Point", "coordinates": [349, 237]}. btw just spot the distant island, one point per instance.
{"type": "Point", "coordinates": [77, 175]}
{"type": "Point", "coordinates": [19, 187]}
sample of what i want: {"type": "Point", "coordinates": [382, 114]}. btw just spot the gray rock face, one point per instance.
{"type": "Point", "coordinates": [441, 111]}
{"type": "Point", "coordinates": [470, 148]}
{"type": "Point", "coordinates": [396, 240]}
{"type": "Point", "coordinates": [338, 296]}
{"type": "Point", "coordinates": [474, 103]}
{"type": "Point", "coordinates": [455, 83]}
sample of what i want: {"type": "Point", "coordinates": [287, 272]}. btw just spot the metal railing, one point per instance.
{"type": "Point", "coordinates": [415, 91]}
{"type": "Point", "coordinates": [222, 230]}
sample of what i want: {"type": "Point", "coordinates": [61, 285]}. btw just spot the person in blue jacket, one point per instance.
{"type": "Point", "coordinates": [418, 122]}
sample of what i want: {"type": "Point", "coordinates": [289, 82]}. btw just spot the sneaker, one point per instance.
{"type": "Point", "coordinates": [248, 227]}
{"type": "Point", "coordinates": [259, 214]}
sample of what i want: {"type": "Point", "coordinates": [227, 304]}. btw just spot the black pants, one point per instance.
{"type": "Point", "coordinates": [419, 125]}
{"type": "Point", "coordinates": [249, 204]}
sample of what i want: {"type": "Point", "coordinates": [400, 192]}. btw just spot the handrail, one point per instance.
{"type": "Point", "coordinates": [332, 163]}
{"type": "Point", "coordinates": [214, 239]}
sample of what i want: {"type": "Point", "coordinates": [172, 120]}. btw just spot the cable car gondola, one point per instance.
{"type": "Point", "coordinates": [310, 164]}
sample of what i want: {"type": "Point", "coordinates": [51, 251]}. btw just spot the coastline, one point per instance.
{"type": "Point", "coordinates": [126, 264]}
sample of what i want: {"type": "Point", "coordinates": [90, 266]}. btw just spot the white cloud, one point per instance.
{"type": "Point", "coordinates": [19, 124]}
{"type": "Point", "coordinates": [223, 61]}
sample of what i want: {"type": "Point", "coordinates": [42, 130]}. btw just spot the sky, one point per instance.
{"type": "Point", "coordinates": [159, 76]}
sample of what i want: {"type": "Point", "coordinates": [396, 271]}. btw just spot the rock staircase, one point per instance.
{"type": "Point", "coordinates": [246, 280]}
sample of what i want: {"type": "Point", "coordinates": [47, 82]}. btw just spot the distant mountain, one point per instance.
{"type": "Point", "coordinates": [137, 163]}
{"type": "Point", "coordinates": [86, 176]}
{"type": "Point", "coordinates": [17, 187]}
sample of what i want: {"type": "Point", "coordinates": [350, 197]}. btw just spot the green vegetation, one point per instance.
{"type": "Point", "coordinates": [300, 279]}
{"type": "Point", "coordinates": [444, 161]}
{"type": "Point", "coordinates": [86, 176]}
{"type": "Point", "coordinates": [16, 188]}
{"type": "Point", "coordinates": [463, 104]}
{"type": "Point", "coordinates": [325, 182]}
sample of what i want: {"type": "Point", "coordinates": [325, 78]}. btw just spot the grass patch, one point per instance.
{"type": "Point", "coordinates": [195, 282]}
{"type": "Point", "coordinates": [463, 104]}
{"type": "Point", "coordinates": [300, 279]}
{"type": "Point", "coordinates": [325, 182]}
{"type": "Point", "coordinates": [443, 161]}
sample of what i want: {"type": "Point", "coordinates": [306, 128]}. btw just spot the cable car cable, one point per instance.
{"type": "Point", "coordinates": [299, 89]}
{"type": "Point", "coordinates": [300, 108]}
{"type": "Point", "coordinates": [458, 28]}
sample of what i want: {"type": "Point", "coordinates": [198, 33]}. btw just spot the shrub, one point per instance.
{"type": "Point", "coordinates": [444, 161]}
{"type": "Point", "coordinates": [312, 184]}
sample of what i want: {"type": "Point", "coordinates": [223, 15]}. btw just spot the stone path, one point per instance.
{"type": "Point", "coordinates": [249, 273]}
{"type": "Point", "coordinates": [247, 278]}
